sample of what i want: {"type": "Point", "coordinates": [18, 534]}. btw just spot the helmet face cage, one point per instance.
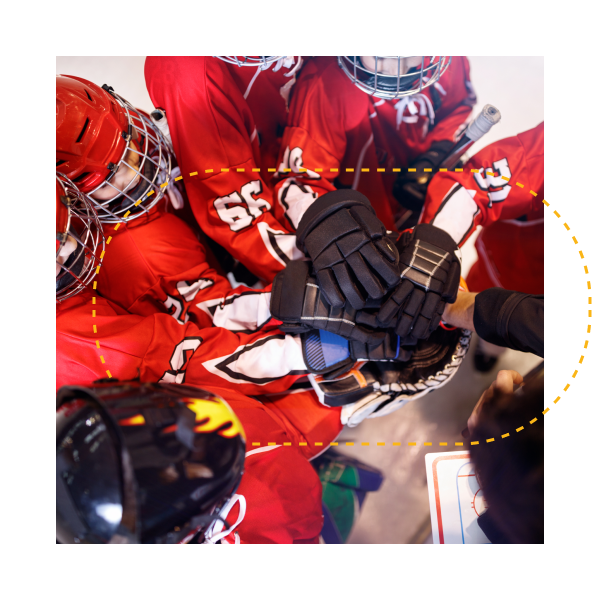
{"type": "Point", "coordinates": [251, 61]}
{"type": "Point", "coordinates": [149, 178]}
{"type": "Point", "coordinates": [83, 226]}
{"type": "Point", "coordinates": [390, 87]}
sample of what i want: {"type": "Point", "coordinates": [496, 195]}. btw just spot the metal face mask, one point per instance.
{"type": "Point", "coordinates": [397, 84]}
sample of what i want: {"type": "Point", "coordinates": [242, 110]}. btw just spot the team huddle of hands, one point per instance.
{"type": "Point", "coordinates": [380, 293]}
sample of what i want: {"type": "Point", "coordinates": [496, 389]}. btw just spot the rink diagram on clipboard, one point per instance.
{"type": "Point", "coordinates": [455, 499]}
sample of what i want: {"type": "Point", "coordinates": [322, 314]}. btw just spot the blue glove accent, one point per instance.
{"type": "Point", "coordinates": [335, 347]}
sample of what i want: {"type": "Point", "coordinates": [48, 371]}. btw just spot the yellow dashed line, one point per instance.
{"type": "Point", "coordinates": [365, 444]}
{"type": "Point", "coordinates": [426, 443]}
{"type": "Point", "coordinates": [102, 359]}
{"type": "Point", "coordinates": [505, 178]}
{"type": "Point", "coordinates": [458, 443]}
{"type": "Point", "coordinates": [196, 173]}
{"type": "Point", "coordinates": [574, 374]}
{"type": "Point", "coordinates": [108, 373]}
{"type": "Point", "coordinates": [93, 313]}
{"type": "Point", "coordinates": [93, 299]}
{"type": "Point", "coordinates": [412, 443]}
{"type": "Point", "coordinates": [95, 330]}
{"type": "Point", "coordinates": [474, 443]}
{"type": "Point", "coordinates": [256, 170]}
{"type": "Point", "coordinates": [520, 429]}
{"type": "Point", "coordinates": [256, 443]}
{"type": "Point", "coordinates": [557, 215]}
{"type": "Point", "coordinates": [490, 440]}
{"type": "Point", "coordinates": [318, 443]}
{"type": "Point", "coordinates": [567, 227]}
{"type": "Point", "coordinates": [533, 421]}
{"type": "Point", "coordinates": [396, 443]}
{"type": "Point", "coordinates": [505, 435]}
{"type": "Point", "coordinates": [381, 443]}
{"type": "Point", "coordinates": [581, 359]}
{"type": "Point", "coordinates": [271, 444]}
{"type": "Point", "coordinates": [364, 170]}
{"type": "Point", "coordinates": [349, 443]}
{"type": "Point", "coordinates": [567, 387]}
{"type": "Point", "coordinates": [546, 203]}
{"type": "Point", "coordinates": [333, 443]}
{"type": "Point", "coordinates": [178, 178]}
{"type": "Point", "coordinates": [302, 444]}
{"type": "Point", "coordinates": [205, 170]}
{"type": "Point", "coordinates": [97, 342]}
{"type": "Point", "coordinates": [271, 170]}
{"type": "Point", "coordinates": [545, 411]}
{"type": "Point", "coordinates": [557, 399]}
{"type": "Point", "coordinates": [287, 443]}
{"type": "Point", "coordinates": [443, 443]}
{"type": "Point", "coordinates": [519, 184]}
{"type": "Point", "coordinates": [532, 193]}
{"type": "Point", "coordinates": [333, 170]}
{"type": "Point", "coordinates": [241, 170]}
{"type": "Point", "coordinates": [349, 170]}
{"type": "Point", "coordinates": [381, 170]}
{"type": "Point", "coordinates": [395, 170]}
{"type": "Point", "coordinates": [412, 170]}
{"type": "Point", "coordinates": [458, 170]}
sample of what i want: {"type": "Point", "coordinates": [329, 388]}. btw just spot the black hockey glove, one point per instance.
{"type": "Point", "coordinates": [352, 255]}
{"type": "Point", "coordinates": [297, 301]}
{"type": "Point", "coordinates": [410, 188]}
{"type": "Point", "coordinates": [430, 280]}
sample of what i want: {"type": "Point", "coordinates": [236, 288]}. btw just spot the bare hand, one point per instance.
{"type": "Point", "coordinates": [505, 382]}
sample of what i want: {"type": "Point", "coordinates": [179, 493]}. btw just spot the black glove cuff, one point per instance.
{"type": "Point", "coordinates": [435, 155]}
{"type": "Point", "coordinates": [286, 306]}
{"type": "Point", "coordinates": [436, 236]}
{"type": "Point", "coordinates": [326, 205]}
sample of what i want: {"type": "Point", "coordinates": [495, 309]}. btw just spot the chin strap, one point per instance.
{"type": "Point", "coordinates": [215, 533]}
{"type": "Point", "coordinates": [424, 108]}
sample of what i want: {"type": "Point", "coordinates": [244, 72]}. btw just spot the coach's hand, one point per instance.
{"type": "Point", "coordinates": [353, 257]}
{"type": "Point", "coordinates": [430, 273]}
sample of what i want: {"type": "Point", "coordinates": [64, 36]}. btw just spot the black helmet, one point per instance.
{"type": "Point", "coordinates": [143, 462]}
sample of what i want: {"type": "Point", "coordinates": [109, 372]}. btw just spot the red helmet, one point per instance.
{"type": "Point", "coordinates": [101, 140]}
{"type": "Point", "coordinates": [79, 239]}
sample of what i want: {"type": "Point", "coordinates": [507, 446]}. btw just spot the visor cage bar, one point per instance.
{"type": "Point", "coordinates": [391, 86]}
{"type": "Point", "coordinates": [85, 228]}
{"type": "Point", "coordinates": [153, 155]}
{"type": "Point", "coordinates": [251, 61]}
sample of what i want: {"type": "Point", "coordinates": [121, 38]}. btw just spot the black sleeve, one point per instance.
{"type": "Point", "coordinates": [510, 319]}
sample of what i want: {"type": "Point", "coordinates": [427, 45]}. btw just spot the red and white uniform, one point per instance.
{"type": "Point", "coordinates": [156, 264]}
{"type": "Point", "coordinates": [510, 246]}
{"type": "Point", "coordinates": [334, 125]}
{"type": "Point", "coordinates": [280, 491]}
{"type": "Point", "coordinates": [212, 128]}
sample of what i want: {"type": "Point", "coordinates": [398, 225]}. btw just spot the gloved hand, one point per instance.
{"type": "Point", "coordinates": [352, 255]}
{"type": "Point", "coordinates": [298, 302]}
{"type": "Point", "coordinates": [430, 280]}
{"type": "Point", "coordinates": [410, 188]}
{"type": "Point", "coordinates": [330, 355]}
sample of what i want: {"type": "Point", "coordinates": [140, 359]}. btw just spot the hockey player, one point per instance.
{"type": "Point", "coordinates": [211, 107]}
{"type": "Point", "coordinates": [355, 119]}
{"type": "Point", "coordinates": [159, 463]}
{"type": "Point", "coordinates": [153, 261]}
{"type": "Point", "coordinates": [498, 197]}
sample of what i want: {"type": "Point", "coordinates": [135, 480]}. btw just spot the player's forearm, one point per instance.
{"type": "Point", "coordinates": [460, 314]}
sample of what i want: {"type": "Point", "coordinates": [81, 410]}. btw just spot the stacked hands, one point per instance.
{"type": "Point", "coordinates": [381, 295]}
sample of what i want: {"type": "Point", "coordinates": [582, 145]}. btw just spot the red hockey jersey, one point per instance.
{"type": "Point", "coordinates": [156, 264]}
{"type": "Point", "coordinates": [347, 138]}
{"type": "Point", "coordinates": [216, 143]}
{"type": "Point", "coordinates": [510, 247]}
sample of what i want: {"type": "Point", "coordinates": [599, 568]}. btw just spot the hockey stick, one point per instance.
{"type": "Point", "coordinates": [485, 120]}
